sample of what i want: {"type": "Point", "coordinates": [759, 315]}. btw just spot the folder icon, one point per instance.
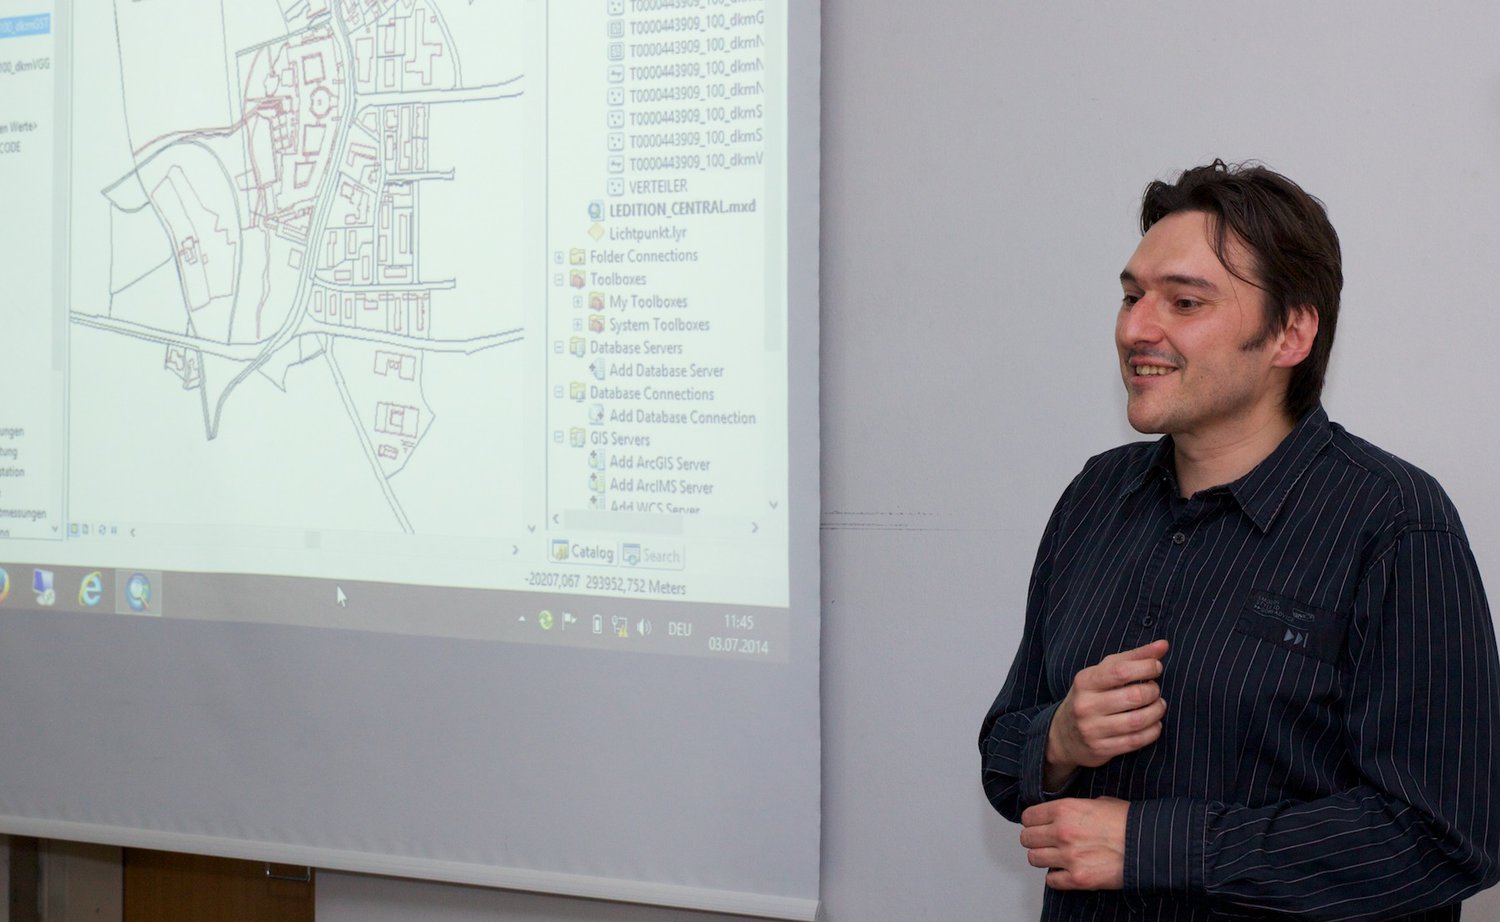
{"type": "Point", "coordinates": [596, 323]}
{"type": "Point", "coordinates": [596, 300]}
{"type": "Point", "coordinates": [576, 278]}
{"type": "Point", "coordinates": [578, 390]}
{"type": "Point", "coordinates": [576, 436]}
{"type": "Point", "coordinates": [577, 345]}
{"type": "Point", "coordinates": [578, 257]}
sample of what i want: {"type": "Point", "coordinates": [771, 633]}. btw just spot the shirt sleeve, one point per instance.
{"type": "Point", "coordinates": [1013, 737]}
{"type": "Point", "coordinates": [1420, 831]}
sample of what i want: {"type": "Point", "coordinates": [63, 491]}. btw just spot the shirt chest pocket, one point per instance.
{"type": "Point", "coordinates": [1293, 625]}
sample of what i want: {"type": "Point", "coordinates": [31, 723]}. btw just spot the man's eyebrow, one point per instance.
{"type": "Point", "coordinates": [1185, 281]}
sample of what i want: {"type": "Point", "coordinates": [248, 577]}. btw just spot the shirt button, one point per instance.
{"type": "Point", "coordinates": [1147, 621]}
{"type": "Point", "coordinates": [1179, 538]}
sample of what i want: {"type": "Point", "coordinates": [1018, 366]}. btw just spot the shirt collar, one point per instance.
{"type": "Point", "coordinates": [1262, 492]}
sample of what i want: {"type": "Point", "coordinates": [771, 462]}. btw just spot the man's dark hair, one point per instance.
{"type": "Point", "coordinates": [1294, 249]}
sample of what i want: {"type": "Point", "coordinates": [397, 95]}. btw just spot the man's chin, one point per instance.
{"type": "Point", "coordinates": [1144, 423]}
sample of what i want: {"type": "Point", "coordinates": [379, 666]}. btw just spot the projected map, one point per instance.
{"type": "Point", "coordinates": [280, 228]}
{"type": "Point", "coordinates": [451, 317]}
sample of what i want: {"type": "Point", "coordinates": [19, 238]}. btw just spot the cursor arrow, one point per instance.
{"type": "Point", "coordinates": [339, 597]}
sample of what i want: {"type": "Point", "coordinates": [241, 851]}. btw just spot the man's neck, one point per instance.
{"type": "Point", "coordinates": [1220, 457]}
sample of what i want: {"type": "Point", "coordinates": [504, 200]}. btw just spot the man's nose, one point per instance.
{"type": "Point", "coordinates": [1141, 321]}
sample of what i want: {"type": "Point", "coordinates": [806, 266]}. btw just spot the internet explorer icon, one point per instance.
{"type": "Point", "coordinates": [91, 590]}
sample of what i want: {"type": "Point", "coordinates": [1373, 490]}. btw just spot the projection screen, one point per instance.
{"type": "Point", "coordinates": [408, 439]}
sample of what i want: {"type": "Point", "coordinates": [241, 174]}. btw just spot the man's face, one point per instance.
{"type": "Point", "coordinates": [1189, 335]}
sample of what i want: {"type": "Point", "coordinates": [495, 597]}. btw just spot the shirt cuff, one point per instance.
{"type": "Point", "coordinates": [1164, 845]}
{"type": "Point", "coordinates": [1034, 758]}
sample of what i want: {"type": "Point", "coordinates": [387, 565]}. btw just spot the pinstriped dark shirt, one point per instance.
{"type": "Point", "coordinates": [1330, 746]}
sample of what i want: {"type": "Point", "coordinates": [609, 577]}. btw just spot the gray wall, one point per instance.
{"type": "Point", "coordinates": [982, 162]}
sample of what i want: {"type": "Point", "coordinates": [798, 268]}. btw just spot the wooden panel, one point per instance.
{"type": "Point", "coordinates": [24, 903]}
{"type": "Point", "coordinates": [80, 882]}
{"type": "Point", "coordinates": [168, 887]}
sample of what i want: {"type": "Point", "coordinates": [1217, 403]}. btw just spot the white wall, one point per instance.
{"type": "Point", "coordinates": [982, 165]}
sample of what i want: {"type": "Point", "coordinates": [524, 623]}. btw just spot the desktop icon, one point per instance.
{"type": "Point", "coordinates": [138, 592]}
{"type": "Point", "coordinates": [544, 620]}
{"type": "Point", "coordinates": [621, 625]}
{"type": "Point", "coordinates": [559, 548]}
{"type": "Point", "coordinates": [577, 256]}
{"type": "Point", "coordinates": [41, 584]}
{"type": "Point", "coordinates": [577, 278]}
{"type": "Point", "coordinates": [596, 300]}
{"type": "Point", "coordinates": [631, 554]}
{"type": "Point", "coordinates": [91, 590]}
{"type": "Point", "coordinates": [596, 210]}
{"type": "Point", "coordinates": [4, 584]}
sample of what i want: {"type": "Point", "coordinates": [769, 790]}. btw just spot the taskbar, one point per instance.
{"type": "Point", "coordinates": [751, 632]}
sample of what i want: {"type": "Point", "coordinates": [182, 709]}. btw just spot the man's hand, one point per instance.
{"type": "Point", "coordinates": [1113, 708]}
{"type": "Point", "coordinates": [1080, 842]}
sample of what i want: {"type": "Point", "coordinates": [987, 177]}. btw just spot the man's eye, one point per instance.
{"type": "Point", "coordinates": [1129, 300]}
{"type": "Point", "coordinates": [1187, 304]}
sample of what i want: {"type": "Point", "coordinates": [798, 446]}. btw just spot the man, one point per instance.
{"type": "Point", "coordinates": [1258, 675]}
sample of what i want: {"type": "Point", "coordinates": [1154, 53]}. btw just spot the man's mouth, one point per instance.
{"type": "Point", "coordinates": [1147, 371]}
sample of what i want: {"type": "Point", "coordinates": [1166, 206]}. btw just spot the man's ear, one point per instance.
{"type": "Point", "coordinates": [1295, 340]}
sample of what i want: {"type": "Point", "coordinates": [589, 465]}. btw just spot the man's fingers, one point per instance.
{"type": "Point", "coordinates": [1127, 723]}
{"type": "Point", "coordinates": [1116, 700]}
{"type": "Point", "coordinates": [1044, 857]}
{"type": "Point", "coordinates": [1037, 815]}
{"type": "Point", "coordinates": [1156, 649]}
{"type": "Point", "coordinates": [1115, 734]}
{"type": "Point", "coordinates": [1120, 669]}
